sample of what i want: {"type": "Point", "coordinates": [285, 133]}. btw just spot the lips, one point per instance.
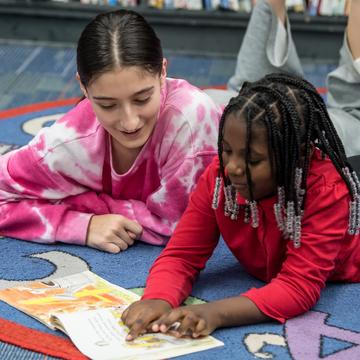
{"type": "Point", "coordinates": [239, 186]}
{"type": "Point", "coordinates": [132, 133]}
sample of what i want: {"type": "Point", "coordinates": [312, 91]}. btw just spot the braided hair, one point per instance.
{"type": "Point", "coordinates": [296, 120]}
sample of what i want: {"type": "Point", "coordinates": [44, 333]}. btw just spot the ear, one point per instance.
{"type": "Point", "coordinates": [163, 72]}
{"type": "Point", "coordinates": [82, 87]}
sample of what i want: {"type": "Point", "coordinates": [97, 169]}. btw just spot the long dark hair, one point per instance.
{"type": "Point", "coordinates": [117, 38]}
{"type": "Point", "coordinates": [296, 120]}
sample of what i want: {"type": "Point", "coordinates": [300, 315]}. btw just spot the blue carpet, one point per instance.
{"type": "Point", "coordinates": [330, 331]}
{"type": "Point", "coordinates": [10, 352]}
{"type": "Point", "coordinates": [34, 73]}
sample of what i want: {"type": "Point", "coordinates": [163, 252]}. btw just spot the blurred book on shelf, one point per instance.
{"type": "Point", "coordinates": [298, 6]}
{"type": "Point", "coordinates": [333, 7]}
{"type": "Point", "coordinates": [122, 3]}
{"type": "Point", "coordinates": [224, 5]}
{"type": "Point", "coordinates": [307, 7]}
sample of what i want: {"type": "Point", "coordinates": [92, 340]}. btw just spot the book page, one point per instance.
{"type": "Point", "coordinates": [78, 292]}
{"type": "Point", "coordinates": [88, 309]}
{"type": "Point", "coordinates": [100, 335]}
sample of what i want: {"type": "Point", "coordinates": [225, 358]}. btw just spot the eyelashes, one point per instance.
{"type": "Point", "coordinates": [136, 102]}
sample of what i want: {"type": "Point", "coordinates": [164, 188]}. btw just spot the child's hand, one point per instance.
{"type": "Point", "coordinates": [139, 316]}
{"type": "Point", "coordinates": [191, 320]}
{"type": "Point", "coordinates": [112, 233]}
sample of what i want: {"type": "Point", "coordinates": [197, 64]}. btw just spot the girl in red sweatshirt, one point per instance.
{"type": "Point", "coordinates": [285, 201]}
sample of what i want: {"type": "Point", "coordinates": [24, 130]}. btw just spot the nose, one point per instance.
{"type": "Point", "coordinates": [235, 167]}
{"type": "Point", "coordinates": [129, 119]}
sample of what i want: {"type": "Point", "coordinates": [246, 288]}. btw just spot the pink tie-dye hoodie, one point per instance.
{"type": "Point", "coordinates": [50, 188]}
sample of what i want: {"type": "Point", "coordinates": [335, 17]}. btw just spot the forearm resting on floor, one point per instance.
{"type": "Point", "coordinates": [238, 310]}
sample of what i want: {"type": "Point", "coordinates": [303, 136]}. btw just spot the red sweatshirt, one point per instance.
{"type": "Point", "coordinates": [294, 276]}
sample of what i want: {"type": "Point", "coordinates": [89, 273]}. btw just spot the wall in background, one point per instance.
{"type": "Point", "coordinates": [202, 32]}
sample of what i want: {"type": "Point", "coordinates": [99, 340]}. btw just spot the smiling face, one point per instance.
{"type": "Point", "coordinates": [234, 155]}
{"type": "Point", "coordinates": [126, 102]}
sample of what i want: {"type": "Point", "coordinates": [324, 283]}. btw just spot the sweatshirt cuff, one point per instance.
{"type": "Point", "coordinates": [73, 228]}
{"type": "Point", "coordinates": [266, 309]}
{"type": "Point", "coordinates": [161, 296]}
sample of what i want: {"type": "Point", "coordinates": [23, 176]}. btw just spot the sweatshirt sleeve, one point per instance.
{"type": "Point", "coordinates": [297, 287]}
{"type": "Point", "coordinates": [193, 242]}
{"type": "Point", "coordinates": [62, 162]}
{"type": "Point", "coordinates": [31, 205]}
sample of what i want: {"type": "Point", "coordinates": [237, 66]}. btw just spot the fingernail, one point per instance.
{"type": "Point", "coordinates": [128, 337]}
{"type": "Point", "coordinates": [163, 328]}
{"type": "Point", "coordinates": [155, 327]}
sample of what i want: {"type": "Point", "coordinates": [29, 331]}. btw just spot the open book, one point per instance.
{"type": "Point", "coordinates": [88, 309]}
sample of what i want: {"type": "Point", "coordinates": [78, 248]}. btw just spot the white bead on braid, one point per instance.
{"type": "Point", "coordinates": [279, 209]}
{"type": "Point", "coordinates": [216, 195]}
{"type": "Point", "coordinates": [354, 205]}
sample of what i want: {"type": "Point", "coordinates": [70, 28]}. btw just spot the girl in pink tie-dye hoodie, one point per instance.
{"type": "Point", "coordinates": [121, 164]}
